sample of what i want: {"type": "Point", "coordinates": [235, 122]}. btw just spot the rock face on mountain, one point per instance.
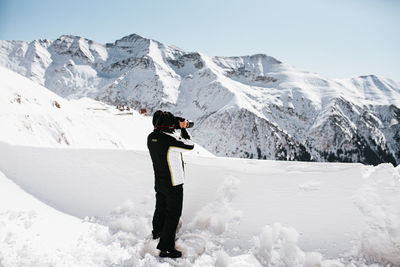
{"type": "Point", "coordinates": [250, 106]}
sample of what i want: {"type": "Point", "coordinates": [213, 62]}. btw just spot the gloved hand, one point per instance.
{"type": "Point", "coordinates": [185, 134]}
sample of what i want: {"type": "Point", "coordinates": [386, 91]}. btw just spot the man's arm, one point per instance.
{"type": "Point", "coordinates": [180, 141]}
{"type": "Point", "coordinates": [185, 134]}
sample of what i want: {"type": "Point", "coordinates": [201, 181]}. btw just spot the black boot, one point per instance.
{"type": "Point", "coordinates": [170, 254]}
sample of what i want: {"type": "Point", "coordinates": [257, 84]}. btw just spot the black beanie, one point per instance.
{"type": "Point", "coordinates": [163, 120]}
{"type": "Point", "coordinates": [157, 117]}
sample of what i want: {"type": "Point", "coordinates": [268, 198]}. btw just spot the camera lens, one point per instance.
{"type": "Point", "coordinates": [189, 124]}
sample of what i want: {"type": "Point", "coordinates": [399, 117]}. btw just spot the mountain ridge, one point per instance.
{"type": "Point", "coordinates": [275, 111]}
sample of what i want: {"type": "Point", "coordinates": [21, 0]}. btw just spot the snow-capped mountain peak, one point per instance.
{"type": "Point", "coordinates": [267, 108]}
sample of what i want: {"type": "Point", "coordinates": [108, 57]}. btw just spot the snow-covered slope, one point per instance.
{"type": "Point", "coordinates": [34, 234]}
{"type": "Point", "coordinates": [33, 115]}
{"type": "Point", "coordinates": [268, 109]}
{"type": "Point", "coordinates": [248, 212]}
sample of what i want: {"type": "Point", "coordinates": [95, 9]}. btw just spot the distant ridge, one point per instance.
{"type": "Point", "coordinates": [247, 106]}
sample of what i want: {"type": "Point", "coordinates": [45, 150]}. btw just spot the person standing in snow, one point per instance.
{"type": "Point", "coordinates": [165, 147]}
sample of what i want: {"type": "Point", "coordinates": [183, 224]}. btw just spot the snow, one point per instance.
{"type": "Point", "coordinates": [170, 81]}
{"type": "Point", "coordinates": [34, 234]}
{"type": "Point", "coordinates": [29, 116]}
{"type": "Point", "coordinates": [250, 212]}
{"type": "Point", "coordinates": [308, 115]}
{"type": "Point", "coordinates": [76, 180]}
{"type": "Point", "coordinates": [378, 201]}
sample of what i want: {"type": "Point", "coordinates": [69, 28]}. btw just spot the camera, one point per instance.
{"type": "Point", "coordinates": [189, 123]}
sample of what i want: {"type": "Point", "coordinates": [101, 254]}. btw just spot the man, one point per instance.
{"type": "Point", "coordinates": [165, 147]}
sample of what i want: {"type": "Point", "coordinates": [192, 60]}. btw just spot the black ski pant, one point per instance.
{"type": "Point", "coordinates": [166, 216]}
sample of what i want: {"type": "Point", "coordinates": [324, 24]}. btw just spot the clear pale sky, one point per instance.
{"type": "Point", "coordinates": [336, 38]}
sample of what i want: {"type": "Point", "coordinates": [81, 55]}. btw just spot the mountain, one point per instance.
{"type": "Point", "coordinates": [32, 115]}
{"type": "Point", "coordinates": [249, 106]}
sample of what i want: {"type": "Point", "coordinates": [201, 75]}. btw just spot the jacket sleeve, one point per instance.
{"type": "Point", "coordinates": [180, 142]}
{"type": "Point", "coordinates": [185, 134]}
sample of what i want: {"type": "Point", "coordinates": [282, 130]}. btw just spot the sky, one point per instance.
{"type": "Point", "coordinates": [335, 38]}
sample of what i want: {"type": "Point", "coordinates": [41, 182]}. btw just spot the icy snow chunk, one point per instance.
{"type": "Point", "coordinates": [218, 214]}
{"type": "Point", "coordinates": [268, 236]}
{"type": "Point", "coordinates": [191, 245]}
{"type": "Point", "coordinates": [150, 247]}
{"type": "Point", "coordinates": [128, 224]}
{"type": "Point", "coordinates": [277, 246]}
{"type": "Point", "coordinates": [313, 259]}
{"type": "Point", "coordinates": [290, 253]}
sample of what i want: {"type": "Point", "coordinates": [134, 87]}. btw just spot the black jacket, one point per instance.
{"type": "Point", "coordinates": [165, 150]}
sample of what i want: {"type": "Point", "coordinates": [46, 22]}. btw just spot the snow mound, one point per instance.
{"type": "Point", "coordinates": [218, 214]}
{"type": "Point", "coordinates": [236, 212]}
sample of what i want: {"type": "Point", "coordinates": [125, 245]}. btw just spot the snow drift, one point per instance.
{"type": "Point", "coordinates": [247, 212]}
